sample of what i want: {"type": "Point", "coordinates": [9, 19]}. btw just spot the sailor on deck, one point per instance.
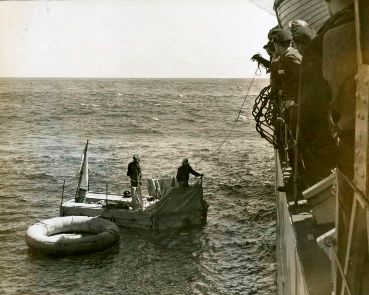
{"type": "Point", "coordinates": [134, 171]}
{"type": "Point", "coordinates": [302, 34]}
{"type": "Point", "coordinates": [183, 173]}
{"type": "Point", "coordinates": [287, 81]}
{"type": "Point", "coordinates": [288, 65]}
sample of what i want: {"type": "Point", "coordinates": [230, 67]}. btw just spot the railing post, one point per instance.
{"type": "Point", "coordinates": [62, 196]}
{"type": "Point", "coordinates": [106, 194]}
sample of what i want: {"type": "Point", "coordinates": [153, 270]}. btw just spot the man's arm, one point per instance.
{"type": "Point", "coordinates": [261, 60]}
{"type": "Point", "coordinates": [194, 172]}
{"type": "Point", "coordinates": [139, 172]}
{"type": "Point", "coordinates": [129, 169]}
{"type": "Point", "coordinates": [293, 62]}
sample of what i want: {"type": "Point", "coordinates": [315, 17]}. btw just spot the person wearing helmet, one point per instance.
{"type": "Point", "coordinates": [287, 85]}
{"type": "Point", "coordinates": [183, 173]}
{"type": "Point", "coordinates": [134, 171]}
{"type": "Point", "coordinates": [288, 64]}
{"type": "Point", "coordinates": [301, 34]}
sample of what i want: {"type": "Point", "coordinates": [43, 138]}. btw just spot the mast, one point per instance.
{"type": "Point", "coordinates": [82, 186]}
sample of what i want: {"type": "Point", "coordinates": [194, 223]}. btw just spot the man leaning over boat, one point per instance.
{"type": "Point", "coordinates": [183, 173]}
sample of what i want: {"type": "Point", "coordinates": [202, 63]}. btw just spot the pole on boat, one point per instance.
{"type": "Point", "coordinates": [62, 196]}
{"type": "Point", "coordinates": [106, 194]}
{"type": "Point", "coordinates": [76, 197]}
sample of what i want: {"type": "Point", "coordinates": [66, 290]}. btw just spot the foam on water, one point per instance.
{"type": "Point", "coordinates": [44, 125]}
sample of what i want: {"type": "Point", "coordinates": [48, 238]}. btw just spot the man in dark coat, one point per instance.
{"type": "Point", "coordinates": [317, 146]}
{"type": "Point", "coordinates": [183, 173]}
{"type": "Point", "coordinates": [134, 171]}
{"type": "Point", "coordinates": [288, 64]}
{"type": "Point", "coordinates": [286, 82]}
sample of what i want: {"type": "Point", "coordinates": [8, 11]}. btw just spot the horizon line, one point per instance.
{"type": "Point", "coordinates": [152, 78]}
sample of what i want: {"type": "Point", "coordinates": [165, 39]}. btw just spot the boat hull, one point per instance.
{"type": "Point", "coordinates": [303, 268]}
{"type": "Point", "coordinates": [133, 218]}
{"type": "Point", "coordinates": [180, 207]}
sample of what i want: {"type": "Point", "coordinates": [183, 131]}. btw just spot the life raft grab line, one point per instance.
{"type": "Point", "coordinates": [235, 121]}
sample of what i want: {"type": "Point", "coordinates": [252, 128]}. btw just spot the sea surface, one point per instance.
{"type": "Point", "coordinates": [44, 124]}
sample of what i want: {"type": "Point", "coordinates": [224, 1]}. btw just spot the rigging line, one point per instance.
{"type": "Point", "coordinates": [234, 124]}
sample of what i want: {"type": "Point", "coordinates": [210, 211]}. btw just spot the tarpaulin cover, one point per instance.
{"type": "Point", "coordinates": [178, 201]}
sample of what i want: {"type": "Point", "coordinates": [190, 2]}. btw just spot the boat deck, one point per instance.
{"type": "Point", "coordinates": [97, 197]}
{"type": "Point", "coordinates": [316, 265]}
{"type": "Point", "coordinates": [101, 200]}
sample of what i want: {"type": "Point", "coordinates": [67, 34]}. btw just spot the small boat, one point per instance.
{"type": "Point", "coordinates": [72, 235]}
{"type": "Point", "coordinates": [165, 206]}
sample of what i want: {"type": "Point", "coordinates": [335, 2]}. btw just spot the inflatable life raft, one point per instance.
{"type": "Point", "coordinates": [72, 235]}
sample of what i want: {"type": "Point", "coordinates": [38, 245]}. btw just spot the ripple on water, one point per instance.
{"type": "Point", "coordinates": [232, 254]}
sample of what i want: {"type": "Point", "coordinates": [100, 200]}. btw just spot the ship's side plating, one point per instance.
{"type": "Point", "coordinates": [303, 268]}
{"type": "Point", "coordinates": [289, 274]}
{"type": "Point", "coordinates": [296, 229]}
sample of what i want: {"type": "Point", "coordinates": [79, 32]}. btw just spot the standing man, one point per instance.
{"type": "Point", "coordinates": [183, 173]}
{"type": "Point", "coordinates": [134, 171]}
{"type": "Point", "coordinates": [287, 85]}
{"type": "Point", "coordinates": [288, 65]}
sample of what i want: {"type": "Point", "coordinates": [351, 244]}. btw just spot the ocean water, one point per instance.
{"type": "Point", "coordinates": [44, 124]}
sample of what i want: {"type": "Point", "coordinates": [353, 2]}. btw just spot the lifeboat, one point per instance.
{"type": "Point", "coordinates": [72, 235]}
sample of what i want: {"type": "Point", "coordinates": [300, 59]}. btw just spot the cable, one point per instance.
{"type": "Point", "coordinates": [234, 124]}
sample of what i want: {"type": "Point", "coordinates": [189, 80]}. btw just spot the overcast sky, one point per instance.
{"type": "Point", "coordinates": [132, 38]}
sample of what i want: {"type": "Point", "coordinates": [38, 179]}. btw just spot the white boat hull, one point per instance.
{"type": "Point", "coordinates": [117, 209]}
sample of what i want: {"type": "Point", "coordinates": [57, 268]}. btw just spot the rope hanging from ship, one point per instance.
{"type": "Point", "coordinates": [225, 139]}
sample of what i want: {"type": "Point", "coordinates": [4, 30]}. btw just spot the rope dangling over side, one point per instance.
{"type": "Point", "coordinates": [234, 123]}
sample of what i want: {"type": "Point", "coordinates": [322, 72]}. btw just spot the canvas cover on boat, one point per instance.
{"type": "Point", "coordinates": [178, 201]}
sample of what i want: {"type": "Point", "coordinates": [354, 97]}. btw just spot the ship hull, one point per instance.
{"type": "Point", "coordinates": [303, 267]}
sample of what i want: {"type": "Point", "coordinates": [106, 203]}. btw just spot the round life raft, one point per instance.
{"type": "Point", "coordinates": [72, 235]}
